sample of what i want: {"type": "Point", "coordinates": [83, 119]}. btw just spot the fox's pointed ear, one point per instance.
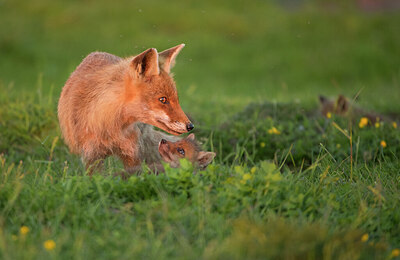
{"type": "Point", "coordinates": [191, 137]}
{"type": "Point", "coordinates": [342, 104]}
{"type": "Point", "coordinates": [322, 99]}
{"type": "Point", "coordinates": [205, 158]}
{"type": "Point", "coordinates": [167, 57]}
{"type": "Point", "coordinates": [146, 63]}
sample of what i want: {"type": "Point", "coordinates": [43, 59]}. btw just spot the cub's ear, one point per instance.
{"type": "Point", "coordinates": [205, 158]}
{"type": "Point", "coordinates": [342, 104]}
{"type": "Point", "coordinates": [167, 57]}
{"type": "Point", "coordinates": [191, 137]}
{"type": "Point", "coordinates": [146, 63]}
{"type": "Point", "coordinates": [322, 99]}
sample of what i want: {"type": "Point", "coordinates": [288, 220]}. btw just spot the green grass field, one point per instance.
{"type": "Point", "coordinates": [315, 188]}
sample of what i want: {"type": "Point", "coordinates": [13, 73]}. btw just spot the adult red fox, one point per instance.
{"type": "Point", "coordinates": [106, 95]}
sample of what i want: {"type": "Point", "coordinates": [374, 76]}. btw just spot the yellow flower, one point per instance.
{"type": "Point", "coordinates": [329, 115]}
{"type": "Point", "coordinates": [377, 124]}
{"type": "Point", "coordinates": [394, 124]}
{"type": "Point", "coordinates": [274, 131]}
{"type": "Point", "coordinates": [253, 170]}
{"type": "Point", "coordinates": [24, 230]}
{"type": "Point", "coordinates": [364, 238]}
{"type": "Point", "coordinates": [262, 144]}
{"type": "Point", "coordinates": [363, 122]}
{"type": "Point", "coordinates": [49, 245]}
{"type": "Point", "coordinates": [395, 252]}
{"type": "Point", "coordinates": [383, 144]}
{"type": "Point", "coordinates": [247, 176]}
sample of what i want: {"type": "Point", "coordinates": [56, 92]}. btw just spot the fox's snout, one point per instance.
{"type": "Point", "coordinates": [164, 150]}
{"type": "Point", "coordinates": [189, 126]}
{"type": "Point", "coordinates": [175, 127]}
{"type": "Point", "coordinates": [163, 145]}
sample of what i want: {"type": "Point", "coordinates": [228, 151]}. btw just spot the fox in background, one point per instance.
{"type": "Point", "coordinates": [343, 107]}
{"type": "Point", "coordinates": [106, 96]}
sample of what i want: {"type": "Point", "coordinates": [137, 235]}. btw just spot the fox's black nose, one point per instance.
{"type": "Point", "coordinates": [163, 141]}
{"type": "Point", "coordinates": [189, 126]}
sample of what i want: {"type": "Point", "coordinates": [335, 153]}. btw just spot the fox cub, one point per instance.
{"type": "Point", "coordinates": [155, 147]}
{"type": "Point", "coordinates": [343, 107]}
{"type": "Point", "coordinates": [106, 96]}
{"type": "Point", "coordinates": [172, 152]}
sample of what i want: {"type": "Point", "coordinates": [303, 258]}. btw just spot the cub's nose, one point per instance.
{"type": "Point", "coordinates": [163, 141]}
{"type": "Point", "coordinates": [189, 126]}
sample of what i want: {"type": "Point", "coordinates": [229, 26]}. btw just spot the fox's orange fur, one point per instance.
{"type": "Point", "coordinates": [106, 96]}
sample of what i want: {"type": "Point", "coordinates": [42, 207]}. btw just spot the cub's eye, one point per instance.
{"type": "Point", "coordinates": [163, 100]}
{"type": "Point", "coordinates": [181, 151]}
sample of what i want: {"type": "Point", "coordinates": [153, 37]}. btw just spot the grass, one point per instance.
{"type": "Point", "coordinates": [314, 188]}
{"type": "Point", "coordinates": [298, 200]}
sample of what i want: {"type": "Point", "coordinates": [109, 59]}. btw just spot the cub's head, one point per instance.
{"type": "Point", "coordinates": [151, 94]}
{"type": "Point", "coordinates": [338, 107]}
{"type": "Point", "coordinates": [172, 152]}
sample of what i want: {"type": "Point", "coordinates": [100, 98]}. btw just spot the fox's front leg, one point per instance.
{"type": "Point", "coordinates": [131, 163]}
{"type": "Point", "coordinates": [93, 157]}
{"type": "Point", "coordinates": [128, 151]}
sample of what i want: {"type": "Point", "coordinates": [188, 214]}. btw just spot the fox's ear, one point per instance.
{"type": "Point", "coordinates": [167, 57]}
{"type": "Point", "coordinates": [205, 158]}
{"type": "Point", "coordinates": [322, 99]}
{"type": "Point", "coordinates": [146, 63]}
{"type": "Point", "coordinates": [191, 137]}
{"type": "Point", "coordinates": [342, 104]}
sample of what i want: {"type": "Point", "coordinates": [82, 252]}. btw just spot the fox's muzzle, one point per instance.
{"type": "Point", "coordinates": [176, 128]}
{"type": "Point", "coordinates": [189, 126]}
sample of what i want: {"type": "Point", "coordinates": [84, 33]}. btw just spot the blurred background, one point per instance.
{"type": "Point", "coordinates": [236, 51]}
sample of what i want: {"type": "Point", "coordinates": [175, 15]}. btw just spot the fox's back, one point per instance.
{"type": "Point", "coordinates": [80, 91]}
{"type": "Point", "coordinates": [89, 69]}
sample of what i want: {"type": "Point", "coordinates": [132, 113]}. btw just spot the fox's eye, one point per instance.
{"type": "Point", "coordinates": [181, 151]}
{"type": "Point", "coordinates": [163, 100]}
